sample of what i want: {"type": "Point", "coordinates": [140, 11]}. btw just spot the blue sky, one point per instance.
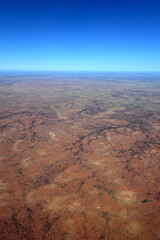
{"type": "Point", "coordinates": [80, 35]}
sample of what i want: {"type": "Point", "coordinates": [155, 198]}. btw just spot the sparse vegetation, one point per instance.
{"type": "Point", "coordinates": [79, 156]}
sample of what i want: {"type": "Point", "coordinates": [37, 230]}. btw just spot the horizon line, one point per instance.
{"type": "Point", "coordinates": [79, 70]}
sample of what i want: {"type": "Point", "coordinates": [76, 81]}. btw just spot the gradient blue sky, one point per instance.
{"type": "Point", "coordinates": [80, 35]}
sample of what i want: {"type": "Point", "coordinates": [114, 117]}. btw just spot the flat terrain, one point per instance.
{"type": "Point", "coordinates": [79, 156]}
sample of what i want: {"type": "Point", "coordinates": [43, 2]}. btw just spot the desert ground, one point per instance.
{"type": "Point", "coordinates": [79, 156]}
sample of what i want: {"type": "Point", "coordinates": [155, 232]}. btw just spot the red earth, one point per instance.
{"type": "Point", "coordinates": [79, 157]}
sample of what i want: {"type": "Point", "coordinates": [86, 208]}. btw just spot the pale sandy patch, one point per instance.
{"type": "Point", "coordinates": [25, 162]}
{"type": "Point", "coordinates": [127, 197]}
{"type": "Point", "coordinates": [97, 207]}
{"type": "Point", "coordinates": [70, 229]}
{"type": "Point", "coordinates": [110, 172]}
{"type": "Point", "coordinates": [66, 176]}
{"type": "Point", "coordinates": [52, 135]}
{"type": "Point", "coordinates": [134, 228]}
{"type": "Point", "coordinates": [127, 213]}
{"type": "Point", "coordinates": [118, 181]}
{"type": "Point", "coordinates": [3, 194]}
{"type": "Point", "coordinates": [63, 178]}
{"type": "Point", "coordinates": [30, 198]}
{"type": "Point", "coordinates": [96, 163]}
{"type": "Point", "coordinates": [123, 213]}
{"type": "Point", "coordinates": [155, 151]}
{"type": "Point", "coordinates": [156, 126]}
{"type": "Point", "coordinates": [42, 153]}
{"type": "Point", "coordinates": [56, 203]}
{"type": "Point", "coordinates": [76, 204]}
{"type": "Point", "coordinates": [50, 186]}
{"type": "Point", "coordinates": [111, 111]}
{"type": "Point", "coordinates": [3, 199]}
{"type": "Point", "coordinates": [109, 139]}
{"type": "Point", "coordinates": [136, 133]}
{"type": "Point", "coordinates": [61, 116]}
{"type": "Point", "coordinates": [13, 129]}
{"type": "Point", "coordinates": [3, 185]}
{"type": "Point", "coordinates": [16, 144]}
{"type": "Point", "coordinates": [75, 207]}
{"type": "Point", "coordinates": [40, 195]}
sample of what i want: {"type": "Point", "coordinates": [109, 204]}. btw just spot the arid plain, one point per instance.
{"type": "Point", "coordinates": [79, 156]}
